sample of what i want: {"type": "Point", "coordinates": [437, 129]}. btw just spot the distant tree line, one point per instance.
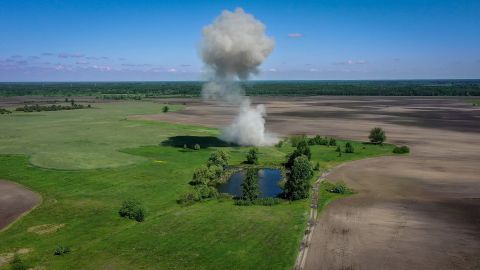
{"type": "Point", "coordinates": [39, 108]}
{"type": "Point", "coordinates": [4, 111]}
{"type": "Point", "coordinates": [138, 90]}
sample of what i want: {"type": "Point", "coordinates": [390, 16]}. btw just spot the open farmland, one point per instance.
{"type": "Point", "coordinates": [418, 211]}
{"type": "Point", "coordinates": [84, 163]}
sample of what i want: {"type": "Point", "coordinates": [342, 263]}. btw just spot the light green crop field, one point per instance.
{"type": "Point", "coordinates": [84, 163]}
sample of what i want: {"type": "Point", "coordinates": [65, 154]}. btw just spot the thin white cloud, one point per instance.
{"type": "Point", "coordinates": [352, 62]}
{"type": "Point", "coordinates": [171, 70]}
{"type": "Point", "coordinates": [295, 35]}
{"type": "Point", "coordinates": [273, 70]}
{"type": "Point", "coordinates": [70, 55]}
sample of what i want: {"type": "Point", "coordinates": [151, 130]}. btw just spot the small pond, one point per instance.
{"type": "Point", "coordinates": [268, 183]}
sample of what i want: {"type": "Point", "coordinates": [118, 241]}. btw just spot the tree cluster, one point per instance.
{"type": "Point", "coordinates": [126, 90]}
{"type": "Point", "coordinates": [206, 177]}
{"type": "Point", "coordinates": [302, 150]}
{"type": "Point", "coordinates": [39, 108]}
{"type": "Point", "coordinates": [4, 111]}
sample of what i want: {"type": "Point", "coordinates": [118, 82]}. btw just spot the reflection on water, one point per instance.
{"type": "Point", "coordinates": [268, 183]}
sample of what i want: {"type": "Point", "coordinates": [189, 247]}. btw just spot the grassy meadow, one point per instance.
{"type": "Point", "coordinates": [84, 163]}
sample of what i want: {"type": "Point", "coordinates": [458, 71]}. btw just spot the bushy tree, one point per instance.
{"type": "Point", "coordinates": [252, 156]}
{"type": "Point", "coordinates": [218, 158]}
{"type": "Point", "coordinates": [339, 149]}
{"type": "Point", "coordinates": [250, 189]}
{"type": "Point", "coordinates": [377, 135]}
{"type": "Point", "coordinates": [132, 209]}
{"type": "Point", "coordinates": [165, 109]}
{"type": "Point", "coordinates": [349, 148]}
{"type": "Point", "coordinates": [201, 176]}
{"type": "Point", "coordinates": [196, 146]}
{"type": "Point", "coordinates": [298, 182]}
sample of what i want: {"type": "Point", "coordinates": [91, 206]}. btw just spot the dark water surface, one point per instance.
{"type": "Point", "coordinates": [268, 183]}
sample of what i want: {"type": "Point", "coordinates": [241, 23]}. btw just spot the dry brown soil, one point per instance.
{"type": "Point", "coordinates": [420, 211]}
{"type": "Point", "coordinates": [15, 200]}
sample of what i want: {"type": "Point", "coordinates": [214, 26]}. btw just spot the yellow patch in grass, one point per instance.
{"type": "Point", "coordinates": [45, 228]}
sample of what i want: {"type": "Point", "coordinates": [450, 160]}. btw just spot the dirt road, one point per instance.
{"type": "Point", "coordinates": [14, 201]}
{"type": "Point", "coordinates": [420, 211]}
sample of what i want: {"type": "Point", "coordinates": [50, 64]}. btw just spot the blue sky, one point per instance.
{"type": "Point", "coordinates": [158, 40]}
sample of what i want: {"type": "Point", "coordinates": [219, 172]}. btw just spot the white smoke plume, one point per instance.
{"type": "Point", "coordinates": [233, 47]}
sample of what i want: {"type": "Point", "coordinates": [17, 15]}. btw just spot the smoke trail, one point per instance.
{"type": "Point", "coordinates": [233, 47]}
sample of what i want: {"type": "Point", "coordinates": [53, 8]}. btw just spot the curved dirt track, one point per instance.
{"type": "Point", "coordinates": [420, 211]}
{"type": "Point", "coordinates": [15, 200]}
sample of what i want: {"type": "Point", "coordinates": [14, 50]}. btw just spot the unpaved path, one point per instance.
{"type": "Point", "coordinates": [15, 200]}
{"type": "Point", "coordinates": [420, 211]}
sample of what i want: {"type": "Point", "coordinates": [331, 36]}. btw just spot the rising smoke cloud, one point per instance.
{"type": "Point", "coordinates": [233, 47]}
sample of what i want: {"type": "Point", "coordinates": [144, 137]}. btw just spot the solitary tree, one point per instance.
{"type": "Point", "coordinates": [252, 156]}
{"type": "Point", "coordinates": [250, 190]}
{"type": "Point", "coordinates": [165, 109]}
{"type": "Point", "coordinates": [377, 135]}
{"type": "Point", "coordinates": [298, 182]}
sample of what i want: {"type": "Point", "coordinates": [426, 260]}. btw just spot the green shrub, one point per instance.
{"type": "Point", "coordinates": [199, 193]}
{"type": "Point", "coordinates": [243, 202]}
{"type": "Point", "coordinates": [401, 150]}
{"type": "Point", "coordinates": [317, 166]}
{"type": "Point", "coordinates": [61, 250]}
{"type": "Point", "coordinates": [165, 109]}
{"type": "Point", "coordinates": [349, 148]}
{"type": "Point", "coordinates": [339, 149]}
{"type": "Point", "coordinates": [279, 144]}
{"type": "Point", "coordinates": [196, 146]}
{"type": "Point", "coordinates": [269, 201]}
{"type": "Point", "coordinates": [17, 263]}
{"type": "Point", "coordinates": [132, 209]}
{"type": "Point", "coordinates": [340, 188]}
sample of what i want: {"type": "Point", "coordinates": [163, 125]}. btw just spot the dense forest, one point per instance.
{"type": "Point", "coordinates": [253, 88]}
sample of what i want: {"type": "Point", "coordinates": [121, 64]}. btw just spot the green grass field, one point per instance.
{"type": "Point", "coordinates": [84, 163]}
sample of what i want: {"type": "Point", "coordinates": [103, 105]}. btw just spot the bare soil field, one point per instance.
{"type": "Point", "coordinates": [15, 200]}
{"type": "Point", "coordinates": [420, 211]}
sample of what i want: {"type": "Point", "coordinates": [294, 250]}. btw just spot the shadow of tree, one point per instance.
{"type": "Point", "coordinates": [190, 141]}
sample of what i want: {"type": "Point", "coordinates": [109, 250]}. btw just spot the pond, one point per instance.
{"type": "Point", "coordinates": [267, 183]}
